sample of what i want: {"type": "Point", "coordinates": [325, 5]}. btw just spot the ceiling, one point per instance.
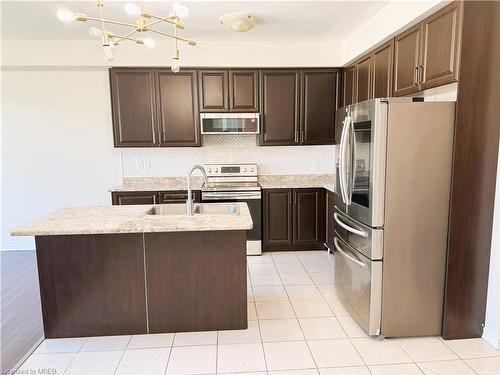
{"type": "Point", "coordinates": [328, 21]}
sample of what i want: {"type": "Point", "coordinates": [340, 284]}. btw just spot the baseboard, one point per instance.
{"type": "Point", "coordinates": [28, 353]}
{"type": "Point", "coordinates": [492, 338]}
{"type": "Point", "coordinates": [16, 248]}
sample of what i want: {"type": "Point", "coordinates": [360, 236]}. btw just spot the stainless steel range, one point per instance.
{"type": "Point", "coordinates": [237, 183]}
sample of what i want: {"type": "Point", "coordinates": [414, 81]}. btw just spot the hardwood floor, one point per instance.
{"type": "Point", "coordinates": [21, 315]}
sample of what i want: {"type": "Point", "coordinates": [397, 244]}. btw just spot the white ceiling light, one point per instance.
{"type": "Point", "coordinates": [239, 22]}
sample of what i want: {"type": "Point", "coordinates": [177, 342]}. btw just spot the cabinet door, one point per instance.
{"type": "Point", "coordinates": [348, 83]}
{"type": "Point", "coordinates": [214, 90]}
{"type": "Point", "coordinates": [441, 34]}
{"type": "Point", "coordinates": [177, 103]}
{"type": "Point", "coordinates": [278, 219]}
{"type": "Point", "coordinates": [363, 78]}
{"type": "Point", "coordinates": [308, 217]}
{"type": "Point", "coordinates": [280, 107]}
{"type": "Point", "coordinates": [134, 197]}
{"type": "Point", "coordinates": [178, 196]}
{"type": "Point", "coordinates": [133, 107]}
{"type": "Point", "coordinates": [318, 107]}
{"type": "Point", "coordinates": [406, 61]}
{"type": "Point", "coordinates": [382, 70]}
{"type": "Point", "coordinates": [330, 221]}
{"type": "Point", "coordinates": [244, 90]}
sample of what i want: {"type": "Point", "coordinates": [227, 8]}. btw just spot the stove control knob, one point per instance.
{"type": "Point", "coordinates": [216, 170]}
{"type": "Point", "coordinates": [209, 170]}
{"type": "Point", "coordinates": [244, 170]}
{"type": "Point", "coordinates": [251, 169]}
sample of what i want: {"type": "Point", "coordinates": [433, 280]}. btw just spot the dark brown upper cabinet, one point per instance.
{"type": "Point", "coordinates": [441, 40]}
{"type": "Point", "coordinates": [280, 101]}
{"type": "Point", "coordinates": [294, 219]}
{"type": "Point", "coordinates": [133, 107]}
{"type": "Point", "coordinates": [427, 54]}
{"type": "Point", "coordinates": [229, 90]}
{"type": "Point", "coordinates": [382, 70]}
{"type": "Point", "coordinates": [214, 90]}
{"type": "Point", "coordinates": [319, 103]}
{"type": "Point", "coordinates": [364, 78]}
{"type": "Point", "coordinates": [244, 90]}
{"type": "Point", "coordinates": [177, 105]}
{"type": "Point", "coordinates": [406, 61]}
{"type": "Point", "coordinates": [349, 87]}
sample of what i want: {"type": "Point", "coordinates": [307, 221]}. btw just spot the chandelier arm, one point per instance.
{"type": "Point", "coordinates": [127, 37]}
{"type": "Point", "coordinates": [188, 41]}
{"type": "Point", "coordinates": [110, 21]}
{"type": "Point", "coordinates": [168, 19]}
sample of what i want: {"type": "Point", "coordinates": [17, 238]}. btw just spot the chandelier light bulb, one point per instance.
{"type": "Point", "coordinates": [148, 42]}
{"type": "Point", "coordinates": [94, 31]}
{"type": "Point", "coordinates": [108, 53]}
{"type": "Point", "coordinates": [175, 65]}
{"type": "Point", "coordinates": [180, 10]}
{"type": "Point", "coordinates": [132, 9]}
{"type": "Point", "coordinates": [66, 15]}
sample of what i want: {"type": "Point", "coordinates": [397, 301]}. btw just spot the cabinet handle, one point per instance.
{"type": "Point", "coordinates": [296, 136]}
{"type": "Point", "coordinates": [154, 199]}
{"type": "Point", "coordinates": [415, 76]}
{"type": "Point", "coordinates": [301, 136]}
{"type": "Point", "coordinates": [290, 198]}
{"type": "Point", "coordinates": [421, 73]}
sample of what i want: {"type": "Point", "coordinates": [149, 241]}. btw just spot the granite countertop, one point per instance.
{"type": "Point", "coordinates": [296, 181]}
{"type": "Point", "coordinates": [129, 219]}
{"type": "Point", "coordinates": [266, 181]}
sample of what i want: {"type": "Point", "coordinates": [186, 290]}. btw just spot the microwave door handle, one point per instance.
{"type": "Point", "coordinates": [352, 259]}
{"type": "Point", "coordinates": [348, 228]}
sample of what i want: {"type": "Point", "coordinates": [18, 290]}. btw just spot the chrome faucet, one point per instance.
{"type": "Point", "coordinates": [189, 203]}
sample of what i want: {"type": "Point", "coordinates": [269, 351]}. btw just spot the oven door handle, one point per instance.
{"type": "Point", "coordinates": [352, 259]}
{"type": "Point", "coordinates": [361, 233]}
{"type": "Point", "coordinates": [230, 196]}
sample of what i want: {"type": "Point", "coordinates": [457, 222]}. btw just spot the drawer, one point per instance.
{"type": "Point", "coordinates": [177, 196]}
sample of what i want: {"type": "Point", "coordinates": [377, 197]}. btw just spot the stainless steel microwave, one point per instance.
{"type": "Point", "coordinates": [230, 123]}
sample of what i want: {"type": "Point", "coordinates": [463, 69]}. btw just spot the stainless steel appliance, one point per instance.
{"type": "Point", "coordinates": [393, 164]}
{"type": "Point", "coordinates": [237, 183]}
{"type": "Point", "coordinates": [230, 123]}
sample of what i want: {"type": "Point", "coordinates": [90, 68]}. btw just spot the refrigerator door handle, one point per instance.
{"type": "Point", "coordinates": [352, 259]}
{"type": "Point", "coordinates": [352, 143]}
{"type": "Point", "coordinates": [361, 233]}
{"type": "Point", "coordinates": [342, 160]}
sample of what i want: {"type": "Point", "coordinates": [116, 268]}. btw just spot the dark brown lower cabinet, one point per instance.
{"type": "Point", "coordinates": [294, 219]}
{"type": "Point", "coordinates": [330, 221]}
{"type": "Point", "coordinates": [134, 197]}
{"type": "Point", "coordinates": [152, 197]}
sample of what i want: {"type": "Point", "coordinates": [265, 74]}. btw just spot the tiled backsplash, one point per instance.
{"type": "Point", "coordinates": [172, 161]}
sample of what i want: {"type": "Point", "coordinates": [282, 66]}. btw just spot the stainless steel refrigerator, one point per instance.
{"type": "Point", "coordinates": [393, 174]}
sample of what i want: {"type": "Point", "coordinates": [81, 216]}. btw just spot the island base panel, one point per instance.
{"type": "Point", "coordinates": [92, 285]}
{"type": "Point", "coordinates": [196, 281]}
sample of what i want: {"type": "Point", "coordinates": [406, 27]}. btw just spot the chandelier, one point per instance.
{"type": "Point", "coordinates": [144, 23]}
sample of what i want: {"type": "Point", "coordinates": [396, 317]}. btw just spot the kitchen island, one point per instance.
{"type": "Point", "coordinates": [141, 269]}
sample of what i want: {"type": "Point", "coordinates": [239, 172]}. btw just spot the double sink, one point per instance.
{"type": "Point", "coordinates": [198, 209]}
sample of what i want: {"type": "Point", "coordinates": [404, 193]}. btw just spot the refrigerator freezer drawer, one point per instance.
{"type": "Point", "coordinates": [361, 281]}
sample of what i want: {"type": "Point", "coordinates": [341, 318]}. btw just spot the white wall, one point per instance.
{"type": "Point", "coordinates": [385, 23]}
{"type": "Point", "coordinates": [216, 54]}
{"type": "Point", "coordinates": [57, 145]}
{"type": "Point", "coordinates": [159, 162]}
{"type": "Point", "coordinates": [492, 325]}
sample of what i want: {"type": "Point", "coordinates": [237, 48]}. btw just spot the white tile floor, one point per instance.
{"type": "Point", "coordinates": [297, 326]}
